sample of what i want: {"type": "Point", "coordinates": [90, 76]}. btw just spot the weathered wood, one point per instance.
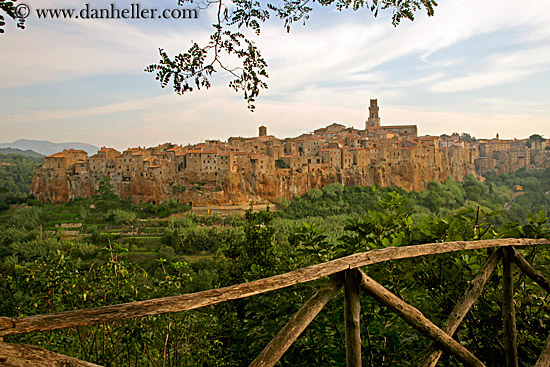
{"type": "Point", "coordinates": [418, 321]}
{"type": "Point", "coordinates": [18, 355]}
{"type": "Point", "coordinates": [537, 277]}
{"type": "Point", "coordinates": [508, 309]}
{"type": "Point", "coordinates": [352, 312]}
{"type": "Point", "coordinates": [544, 359]}
{"type": "Point", "coordinates": [461, 309]}
{"type": "Point", "coordinates": [191, 301]}
{"type": "Point", "coordinates": [6, 323]}
{"type": "Point", "coordinates": [298, 323]}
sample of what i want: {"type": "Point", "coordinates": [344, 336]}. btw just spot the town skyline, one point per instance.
{"type": "Point", "coordinates": [265, 168]}
{"type": "Point", "coordinates": [254, 131]}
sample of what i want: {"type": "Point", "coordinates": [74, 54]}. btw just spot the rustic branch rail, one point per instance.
{"type": "Point", "coordinates": [15, 355]}
{"type": "Point", "coordinates": [67, 319]}
{"type": "Point", "coordinates": [341, 271]}
{"type": "Point", "coordinates": [544, 359]}
{"type": "Point", "coordinates": [537, 277]}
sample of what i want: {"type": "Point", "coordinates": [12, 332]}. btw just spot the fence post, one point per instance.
{"type": "Point", "coordinates": [508, 310]}
{"type": "Point", "coordinates": [352, 310]}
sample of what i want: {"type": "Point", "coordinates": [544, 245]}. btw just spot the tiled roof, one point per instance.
{"type": "Point", "coordinates": [105, 150]}
{"type": "Point", "coordinates": [66, 152]}
{"type": "Point", "coordinates": [58, 155]}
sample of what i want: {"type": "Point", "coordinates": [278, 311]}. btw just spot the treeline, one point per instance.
{"type": "Point", "coordinates": [438, 198]}
{"type": "Point", "coordinates": [496, 194]}
{"type": "Point", "coordinates": [533, 197]}
{"type": "Point", "coordinates": [16, 172]}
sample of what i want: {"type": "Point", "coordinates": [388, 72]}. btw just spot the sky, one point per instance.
{"type": "Point", "coordinates": [481, 67]}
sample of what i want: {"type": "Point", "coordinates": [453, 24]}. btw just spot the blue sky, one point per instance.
{"type": "Point", "coordinates": [477, 67]}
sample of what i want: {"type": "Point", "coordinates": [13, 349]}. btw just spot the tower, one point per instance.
{"type": "Point", "coordinates": [263, 131]}
{"type": "Point", "coordinates": [374, 118]}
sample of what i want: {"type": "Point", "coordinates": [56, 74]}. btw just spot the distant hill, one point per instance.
{"type": "Point", "coordinates": [47, 147]}
{"type": "Point", "coordinates": [26, 153]}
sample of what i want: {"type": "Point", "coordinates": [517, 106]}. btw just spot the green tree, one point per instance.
{"type": "Point", "coordinates": [106, 197]}
{"type": "Point", "coordinates": [255, 257]}
{"type": "Point", "coordinates": [26, 218]}
{"type": "Point", "coordinates": [120, 216]}
{"type": "Point", "coordinates": [106, 190]}
{"type": "Point", "coordinates": [535, 141]}
{"type": "Point", "coordinates": [467, 137]}
{"type": "Point", "coordinates": [16, 173]}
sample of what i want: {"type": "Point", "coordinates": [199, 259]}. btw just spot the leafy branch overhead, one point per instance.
{"type": "Point", "coordinates": [194, 68]}
{"type": "Point", "coordinates": [9, 8]}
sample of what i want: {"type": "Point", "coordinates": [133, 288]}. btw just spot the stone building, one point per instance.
{"type": "Point", "coordinates": [57, 164]}
{"type": "Point", "coordinates": [374, 118]}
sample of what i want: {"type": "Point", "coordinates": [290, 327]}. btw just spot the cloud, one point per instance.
{"type": "Point", "coordinates": [311, 55]}
{"type": "Point", "coordinates": [480, 125]}
{"type": "Point", "coordinates": [62, 49]}
{"type": "Point", "coordinates": [498, 69]}
{"type": "Point", "coordinates": [114, 108]}
{"type": "Point", "coordinates": [346, 52]}
{"type": "Point", "coordinates": [320, 73]}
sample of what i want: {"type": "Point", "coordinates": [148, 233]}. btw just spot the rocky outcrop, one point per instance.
{"type": "Point", "coordinates": [238, 188]}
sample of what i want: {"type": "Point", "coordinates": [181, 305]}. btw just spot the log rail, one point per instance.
{"type": "Point", "coordinates": [342, 271]}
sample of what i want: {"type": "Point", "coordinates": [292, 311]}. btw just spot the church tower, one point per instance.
{"type": "Point", "coordinates": [374, 118]}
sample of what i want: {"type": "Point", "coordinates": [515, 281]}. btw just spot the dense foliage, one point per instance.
{"type": "Point", "coordinates": [44, 275]}
{"type": "Point", "coordinates": [439, 199]}
{"type": "Point", "coordinates": [16, 172]}
{"type": "Point", "coordinates": [533, 197]}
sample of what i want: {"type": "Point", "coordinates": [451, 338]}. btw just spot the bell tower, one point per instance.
{"type": "Point", "coordinates": [374, 118]}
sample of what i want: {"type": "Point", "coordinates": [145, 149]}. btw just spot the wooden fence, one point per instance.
{"type": "Point", "coordinates": [341, 272]}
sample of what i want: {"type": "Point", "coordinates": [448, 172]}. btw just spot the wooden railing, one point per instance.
{"type": "Point", "coordinates": [342, 272]}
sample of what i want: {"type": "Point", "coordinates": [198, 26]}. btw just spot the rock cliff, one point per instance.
{"type": "Point", "coordinates": [232, 188]}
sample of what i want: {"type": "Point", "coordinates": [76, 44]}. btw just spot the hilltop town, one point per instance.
{"type": "Point", "coordinates": [263, 168]}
